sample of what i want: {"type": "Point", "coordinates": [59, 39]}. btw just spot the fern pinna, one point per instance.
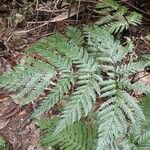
{"type": "Point", "coordinates": [83, 69]}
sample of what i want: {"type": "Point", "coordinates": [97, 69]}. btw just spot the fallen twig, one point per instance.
{"type": "Point", "coordinates": [61, 17]}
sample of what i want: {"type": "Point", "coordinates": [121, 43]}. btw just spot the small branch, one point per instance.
{"type": "Point", "coordinates": [61, 17]}
{"type": "Point", "coordinates": [141, 77]}
{"type": "Point", "coordinates": [134, 79]}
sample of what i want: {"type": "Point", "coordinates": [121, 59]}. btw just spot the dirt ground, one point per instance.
{"type": "Point", "coordinates": [21, 25]}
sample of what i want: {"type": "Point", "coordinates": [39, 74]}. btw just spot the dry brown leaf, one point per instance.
{"type": "Point", "coordinates": [3, 123]}
{"type": "Point", "coordinates": [65, 15]}
{"type": "Point", "coordinates": [61, 17]}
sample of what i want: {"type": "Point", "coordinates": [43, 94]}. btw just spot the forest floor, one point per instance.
{"type": "Point", "coordinates": [21, 25]}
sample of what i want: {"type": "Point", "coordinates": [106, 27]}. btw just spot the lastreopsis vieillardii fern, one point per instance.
{"type": "Point", "coordinates": [83, 69]}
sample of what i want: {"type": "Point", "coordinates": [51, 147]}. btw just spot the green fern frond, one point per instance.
{"type": "Point", "coordinates": [29, 81]}
{"type": "Point", "coordinates": [117, 17]}
{"type": "Point", "coordinates": [138, 86]}
{"type": "Point", "coordinates": [112, 124]}
{"type": "Point", "coordinates": [81, 102]}
{"type": "Point", "coordinates": [77, 136]}
{"type": "Point", "coordinates": [132, 106]}
{"type": "Point", "coordinates": [112, 52]}
{"type": "Point", "coordinates": [57, 93]}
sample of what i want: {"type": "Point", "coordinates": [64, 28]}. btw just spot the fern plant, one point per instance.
{"type": "Point", "coordinates": [83, 69]}
{"type": "Point", "coordinates": [116, 17]}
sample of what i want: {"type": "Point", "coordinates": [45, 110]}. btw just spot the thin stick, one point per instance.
{"type": "Point", "coordinates": [144, 12]}
{"type": "Point", "coordinates": [58, 18]}
{"type": "Point", "coordinates": [141, 77]}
